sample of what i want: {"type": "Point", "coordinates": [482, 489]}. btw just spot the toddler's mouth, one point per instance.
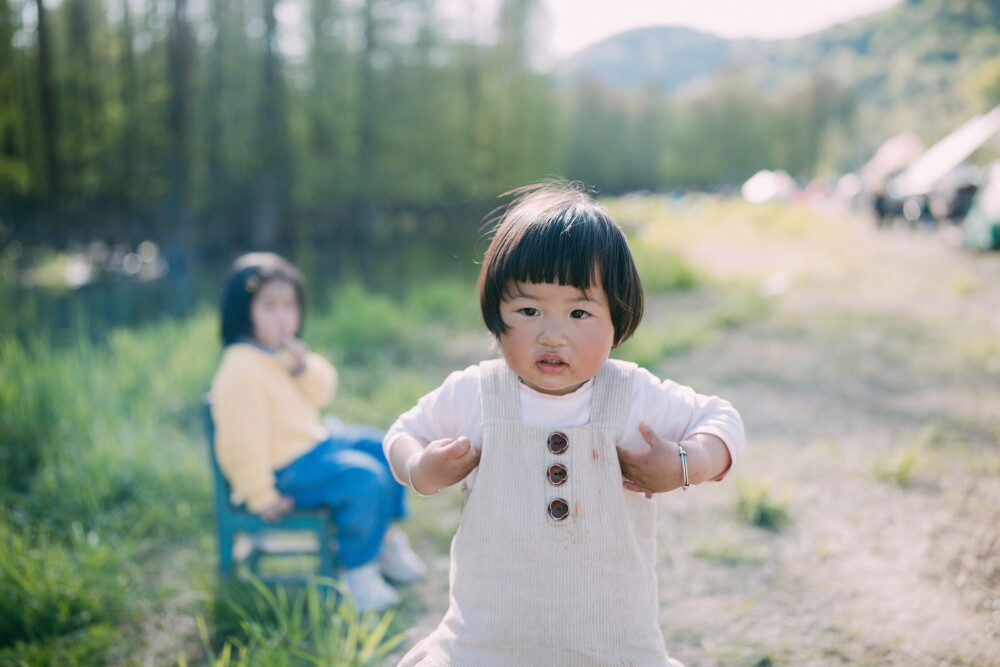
{"type": "Point", "coordinates": [551, 364]}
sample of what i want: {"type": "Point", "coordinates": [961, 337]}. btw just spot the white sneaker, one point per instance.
{"type": "Point", "coordinates": [398, 561]}
{"type": "Point", "coordinates": [370, 591]}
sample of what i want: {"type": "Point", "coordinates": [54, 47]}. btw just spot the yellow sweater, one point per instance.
{"type": "Point", "coordinates": [265, 418]}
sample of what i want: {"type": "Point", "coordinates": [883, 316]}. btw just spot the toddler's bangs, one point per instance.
{"type": "Point", "coordinates": [554, 252]}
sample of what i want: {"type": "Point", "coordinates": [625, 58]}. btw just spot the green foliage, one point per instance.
{"type": "Point", "coordinates": [983, 86]}
{"type": "Point", "coordinates": [339, 139]}
{"type": "Point", "coordinates": [27, 416]}
{"type": "Point", "coordinates": [362, 326]}
{"type": "Point", "coordinates": [61, 596]}
{"type": "Point", "coordinates": [727, 549]}
{"type": "Point", "coordinates": [664, 271]}
{"type": "Point", "coordinates": [686, 330]}
{"type": "Point", "coordinates": [898, 468]}
{"type": "Point", "coordinates": [119, 470]}
{"type": "Point", "coordinates": [648, 347]}
{"type": "Point", "coordinates": [760, 505]}
{"type": "Point", "coordinates": [103, 458]}
{"type": "Point", "coordinates": [453, 304]}
{"type": "Point", "coordinates": [96, 451]}
{"type": "Point", "coordinates": [316, 625]}
{"type": "Point", "coordinates": [368, 329]}
{"type": "Point", "coordinates": [827, 99]}
{"type": "Point", "coordinates": [77, 648]}
{"type": "Point", "coordinates": [93, 431]}
{"type": "Point", "coordinates": [374, 336]}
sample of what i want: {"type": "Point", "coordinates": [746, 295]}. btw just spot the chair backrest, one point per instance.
{"type": "Point", "coordinates": [223, 492]}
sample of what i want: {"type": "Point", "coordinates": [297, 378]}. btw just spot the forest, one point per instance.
{"type": "Point", "coordinates": [224, 123]}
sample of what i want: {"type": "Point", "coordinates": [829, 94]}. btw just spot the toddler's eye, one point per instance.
{"type": "Point", "coordinates": [579, 314]}
{"type": "Point", "coordinates": [530, 312]}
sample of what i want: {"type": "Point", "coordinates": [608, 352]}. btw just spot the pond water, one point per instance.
{"type": "Point", "coordinates": [77, 295]}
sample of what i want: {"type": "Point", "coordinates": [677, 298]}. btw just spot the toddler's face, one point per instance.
{"type": "Point", "coordinates": [275, 313]}
{"type": "Point", "coordinates": [558, 337]}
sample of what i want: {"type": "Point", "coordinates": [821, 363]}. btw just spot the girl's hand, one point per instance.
{"type": "Point", "coordinates": [443, 463]}
{"type": "Point", "coordinates": [277, 509]}
{"type": "Point", "coordinates": [655, 470]}
{"type": "Point", "coordinates": [292, 355]}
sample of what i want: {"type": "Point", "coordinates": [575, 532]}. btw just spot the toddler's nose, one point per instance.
{"type": "Point", "coordinates": [552, 334]}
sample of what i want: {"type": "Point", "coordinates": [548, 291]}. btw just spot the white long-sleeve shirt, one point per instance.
{"type": "Point", "coordinates": [675, 412]}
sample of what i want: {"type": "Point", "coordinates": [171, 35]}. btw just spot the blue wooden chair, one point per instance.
{"type": "Point", "coordinates": [245, 537]}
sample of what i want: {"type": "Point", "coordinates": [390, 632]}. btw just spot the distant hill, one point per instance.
{"type": "Point", "coordinates": [669, 57]}
{"type": "Point", "coordinates": [907, 67]}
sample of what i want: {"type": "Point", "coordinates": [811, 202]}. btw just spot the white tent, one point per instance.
{"type": "Point", "coordinates": [896, 154]}
{"type": "Point", "coordinates": [924, 174]}
{"type": "Point", "coordinates": [767, 185]}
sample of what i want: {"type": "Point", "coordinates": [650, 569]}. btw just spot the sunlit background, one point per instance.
{"type": "Point", "coordinates": [198, 128]}
{"type": "Point", "coordinates": [811, 190]}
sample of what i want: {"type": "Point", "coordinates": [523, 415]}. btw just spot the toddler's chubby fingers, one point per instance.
{"type": "Point", "coordinates": [649, 435]}
{"type": "Point", "coordinates": [462, 443]}
{"type": "Point", "coordinates": [458, 447]}
{"type": "Point", "coordinates": [632, 486]}
{"type": "Point", "coordinates": [470, 453]}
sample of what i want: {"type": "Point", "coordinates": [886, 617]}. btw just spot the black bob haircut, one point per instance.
{"type": "Point", "coordinates": [554, 232]}
{"type": "Point", "coordinates": [246, 276]}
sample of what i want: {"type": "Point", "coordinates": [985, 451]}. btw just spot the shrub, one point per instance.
{"type": "Point", "coordinates": [760, 506]}
{"type": "Point", "coordinates": [52, 589]}
{"type": "Point", "coordinates": [27, 416]}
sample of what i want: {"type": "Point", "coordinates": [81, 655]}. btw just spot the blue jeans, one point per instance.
{"type": "Point", "coordinates": [349, 474]}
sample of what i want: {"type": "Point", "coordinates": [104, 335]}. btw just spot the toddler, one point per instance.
{"type": "Point", "coordinates": [559, 450]}
{"type": "Point", "coordinates": [273, 445]}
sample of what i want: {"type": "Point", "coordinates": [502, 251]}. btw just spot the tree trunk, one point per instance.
{"type": "Point", "coordinates": [213, 148]}
{"type": "Point", "coordinates": [178, 222]}
{"type": "Point", "coordinates": [365, 225]}
{"type": "Point", "coordinates": [265, 227]}
{"type": "Point", "coordinates": [130, 145]}
{"type": "Point", "coordinates": [49, 110]}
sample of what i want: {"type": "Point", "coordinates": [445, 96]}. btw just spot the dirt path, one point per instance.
{"type": "Point", "coordinates": [883, 353]}
{"type": "Point", "coordinates": [870, 390]}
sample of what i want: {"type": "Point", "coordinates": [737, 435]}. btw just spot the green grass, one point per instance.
{"type": "Point", "coordinates": [689, 329]}
{"type": "Point", "coordinates": [62, 597]}
{"type": "Point", "coordinates": [672, 224]}
{"type": "Point", "coordinates": [760, 505]}
{"type": "Point", "coordinates": [728, 550]}
{"type": "Point", "coordinates": [102, 460]}
{"type": "Point", "coordinates": [663, 270]}
{"type": "Point", "coordinates": [279, 627]}
{"type": "Point", "coordinates": [898, 467]}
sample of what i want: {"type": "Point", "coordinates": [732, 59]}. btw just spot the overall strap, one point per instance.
{"type": "Point", "coordinates": [613, 389]}
{"type": "Point", "coordinates": [499, 391]}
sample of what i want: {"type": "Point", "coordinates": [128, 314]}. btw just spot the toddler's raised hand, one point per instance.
{"type": "Point", "coordinates": [292, 355]}
{"type": "Point", "coordinates": [656, 470]}
{"type": "Point", "coordinates": [443, 463]}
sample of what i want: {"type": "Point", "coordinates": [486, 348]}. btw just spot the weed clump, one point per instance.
{"type": "Point", "coordinates": [760, 505]}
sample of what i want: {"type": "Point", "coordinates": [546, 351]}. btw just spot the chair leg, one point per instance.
{"type": "Point", "coordinates": [327, 558]}
{"type": "Point", "coordinates": [225, 553]}
{"type": "Point", "coordinates": [253, 558]}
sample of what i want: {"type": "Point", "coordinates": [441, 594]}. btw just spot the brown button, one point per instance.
{"type": "Point", "coordinates": [557, 474]}
{"type": "Point", "coordinates": [558, 442]}
{"type": "Point", "coordinates": [558, 509]}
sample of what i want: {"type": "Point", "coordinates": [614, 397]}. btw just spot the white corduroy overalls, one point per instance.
{"type": "Point", "coordinates": [554, 562]}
